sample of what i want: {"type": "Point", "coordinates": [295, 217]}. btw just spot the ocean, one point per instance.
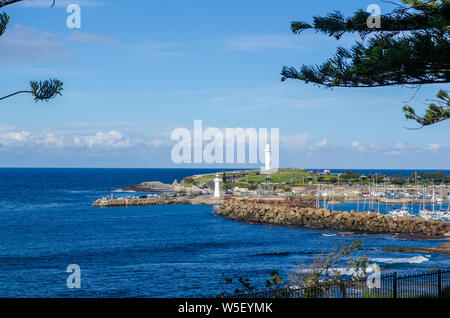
{"type": "Point", "coordinates": [47, 222]}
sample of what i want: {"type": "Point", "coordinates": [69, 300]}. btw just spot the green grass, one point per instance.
{"type": "Point", "coordinates": [298, 177]}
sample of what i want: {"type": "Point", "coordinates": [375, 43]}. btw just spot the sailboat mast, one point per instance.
{"type": "Point", "coordinates": [432, 198]}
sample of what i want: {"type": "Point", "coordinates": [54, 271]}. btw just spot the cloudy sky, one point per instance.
{"type": "Point", "coordinates": [136, 70]}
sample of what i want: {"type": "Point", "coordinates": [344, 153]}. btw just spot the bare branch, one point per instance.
{"type": "Point", "coordinates": [19, 92]}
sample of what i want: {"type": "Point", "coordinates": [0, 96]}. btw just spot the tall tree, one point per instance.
{"type": "Point", "coordinates": [41, 90]}
{"type": "Point", "coordinates": [410, 48]}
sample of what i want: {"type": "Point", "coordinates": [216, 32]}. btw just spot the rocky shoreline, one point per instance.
{"type": "Point", "coordinates": [442, 248]}
{"type": "Point", "coordinates": [305, 215]}
{"type": "Point", "coordinates": [161, 199]}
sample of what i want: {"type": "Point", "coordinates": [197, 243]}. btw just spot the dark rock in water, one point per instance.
{"type": "Point", "coordinates": [443, 248]}
{"type": "Point", "coordinates": [156, 186]}
{"type": "Point", "coordinates": [152, 186]}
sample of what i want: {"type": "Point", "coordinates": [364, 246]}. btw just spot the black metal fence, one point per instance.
{"type": "Point", "coordinates": [433, 284]}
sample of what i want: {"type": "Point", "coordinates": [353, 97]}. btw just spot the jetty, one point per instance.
{"type": "Point", "coordinates": [291, 211]}
{"type": "Point", "coordinates": [157, 199]}
{"type": "Point", "coordinates": [311, 217]}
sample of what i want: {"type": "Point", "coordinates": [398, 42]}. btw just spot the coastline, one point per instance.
{"type": "Point", "coordinates": [161, 199]}
{"type": "Point", "coordinates": [290, 210]}
{"type": "Point", "coordinates": [309, 217]}
{"type": "Point", "coordinates": [297, 212]}
{"type": "Point", "coordinates": [193, 238]}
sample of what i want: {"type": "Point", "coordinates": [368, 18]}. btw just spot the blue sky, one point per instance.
{"type": "Point", "coordinates": [138, 69]}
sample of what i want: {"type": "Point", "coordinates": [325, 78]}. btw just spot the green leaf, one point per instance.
{"type": "Point", "coordinates": [4, 19]}
{"type": "Point", "coordinates": [46, 90]}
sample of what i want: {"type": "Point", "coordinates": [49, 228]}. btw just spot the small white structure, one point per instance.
{"type": "Point", "coordinates": [217, 186]}
{"type": "Point", "coordinates": [268, 158]}
{"type": "Point", "coordinates": [241, 190]}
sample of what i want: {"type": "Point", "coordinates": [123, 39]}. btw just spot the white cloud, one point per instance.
{"type": "Point", "coordinates": [50, 140]}
{"type": "Point", "coordinates": [158, 142]}
{"type": "Point", "coordinates": [93, 137]}
{"type": "Point", "coordinates": [376, 147]}
{"type": "Point", "coordinates": [400, 145]}
{"type": "Point", "coordinates": [321, 143]}
{"type": "Point", "coordinates": [126, 141]}
{"type": "Point", "coordinates": [357, 145]}
{"type": "Point", "coordinates": [433, 146]}
{"type": "Point", "coordinates": [13, 138]}
{"type": "Point", "coordinates": [110, 139]}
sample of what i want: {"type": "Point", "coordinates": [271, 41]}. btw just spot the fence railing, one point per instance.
{"type": "Point", "coordinates": [433, 284]}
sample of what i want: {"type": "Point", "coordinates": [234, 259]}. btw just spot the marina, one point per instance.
{"type": "Point", "coordinates": [188, 245]}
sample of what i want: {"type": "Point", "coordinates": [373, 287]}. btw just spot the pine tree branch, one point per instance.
{"type": "Point", "coordinates": [335, 24]}
{"type": "Point", "coordinates": [437, 111]}
{"type": "Point", "coordinates": [411, 47]}
{"type": "Point", "coordinates": [8, 2]}
{"type": "Point", "coordinates": [4, 19]}
{"type": "Point", "coordinates": [19, 92]}
{"type": "Point", "coordinates": [42, 90]}
{"type": "Point", "coordinates": [420, 58]}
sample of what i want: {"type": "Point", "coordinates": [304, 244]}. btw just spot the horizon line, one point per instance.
{"type": "Point", "coordinates": [220, 168]}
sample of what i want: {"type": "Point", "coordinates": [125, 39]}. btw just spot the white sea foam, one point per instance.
{"type": "Point", "coordinates": [344, 271]}
{"type": "Point", "coordinates": [78, 191]}
{"type": "Point", "coordinates": [340, 270]}
{"type": "Point", "coordinates": [410, 260]}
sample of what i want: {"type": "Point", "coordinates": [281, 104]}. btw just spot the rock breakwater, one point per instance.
{"type": "Point", "coordinates": [305, 215]}
{"type": "Point", "coordinates": [157, 200]}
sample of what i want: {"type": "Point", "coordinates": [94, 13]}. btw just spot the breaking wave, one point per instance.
{"type": "Point", "coordinates": [409, 260]}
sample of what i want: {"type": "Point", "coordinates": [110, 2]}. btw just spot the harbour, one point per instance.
{"type": "Point", "coordinates": [187, 247]}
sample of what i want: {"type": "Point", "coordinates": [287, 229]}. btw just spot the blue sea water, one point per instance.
{"type": "Point", "coordinates": [383, 208]}
{"type": "Point", "coordinates": [47, 222]}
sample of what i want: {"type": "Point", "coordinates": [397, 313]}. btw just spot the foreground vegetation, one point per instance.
{"type": "Point", "coordinates": [322, 280]}
{"type": "Point", "coordinates": [320, 271]}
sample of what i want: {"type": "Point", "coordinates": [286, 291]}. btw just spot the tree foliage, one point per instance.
{"type": "Point", "coordinates": [46, 90]}
{"type": "Point", "coordinates": [436, 112]}
{"type": "Point", "coordinates": [322, 270]}
{"type": "Point", "coordinates": [4, 19]}
{"type": "Point", "coordinates": [411, 48]}
{"type": "Point", "coordinates": [41, 90]}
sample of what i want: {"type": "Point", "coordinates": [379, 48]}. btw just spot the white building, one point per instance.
{"type": "Point", "coordinates": [217, 186]}
{"type": "Point", "coordinates": [241, 190]}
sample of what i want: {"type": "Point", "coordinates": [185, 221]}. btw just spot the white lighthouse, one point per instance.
{"type": "Point", "coordinates": [267, 158]}
{"type": "Point", "coordinates": [217, 186]}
